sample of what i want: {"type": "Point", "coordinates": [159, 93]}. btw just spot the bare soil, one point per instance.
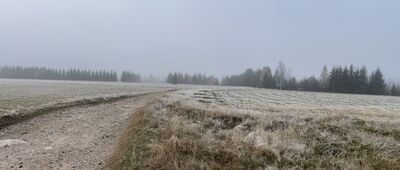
{"type": "Point", "coordinates": [75, 138]}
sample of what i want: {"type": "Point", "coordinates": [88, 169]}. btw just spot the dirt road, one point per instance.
{"type": "Point", "coordinates": [75, 138]}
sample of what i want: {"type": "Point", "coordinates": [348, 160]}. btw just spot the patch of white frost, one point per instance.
{"type": "Point", "coordinates": [10, 142]}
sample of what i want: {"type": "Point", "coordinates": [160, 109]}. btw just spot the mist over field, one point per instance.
{"type": "Point", "coordinates": [199, 84]}
{"type": "Point", "coordinates": [211, 37]}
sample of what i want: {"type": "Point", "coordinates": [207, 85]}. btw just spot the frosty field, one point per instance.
{"type": "Point", "coordinates": [247, 128]}
{"type": "Point", "coordinates": [25, 94]}
{"type": "Point", "coordinates": [209, 127]}
{"type": "Point", "coordinates": [265, 100]}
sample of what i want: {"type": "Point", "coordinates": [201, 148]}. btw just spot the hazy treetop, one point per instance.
{"type": "Point", "coordinates": [208, 36]}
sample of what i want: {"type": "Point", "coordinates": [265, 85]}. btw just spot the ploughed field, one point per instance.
{"type": "Point", "coordinates": [248, 128]}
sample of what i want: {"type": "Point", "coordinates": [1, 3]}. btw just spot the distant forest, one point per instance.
{"type": "Point", "coordinates": [127, 76]}
{"type": "Point", "coordinates": [43, 73]}
{"type": "Point", "coordinates": [200, 79]}
{"type": "Point", "coordinates": [341, 79]}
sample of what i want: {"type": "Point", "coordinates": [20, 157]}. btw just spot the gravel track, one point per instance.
{"type": "Point", "coordinates": [75, 138]}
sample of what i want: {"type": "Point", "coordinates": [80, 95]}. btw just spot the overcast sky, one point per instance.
{"type": "Point", "coordinates": [209, 36]}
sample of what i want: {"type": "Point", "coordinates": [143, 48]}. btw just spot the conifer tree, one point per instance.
{"type": "Point", "coordinates": [377, 83]}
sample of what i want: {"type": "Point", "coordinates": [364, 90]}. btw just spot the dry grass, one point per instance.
{"type": "Point", "coordinates": [177, 133]}
{"type": "Point", "coordinates": [132, 149]}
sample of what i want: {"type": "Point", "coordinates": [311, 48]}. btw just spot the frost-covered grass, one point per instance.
{"type": "Point", "coordinates": [28, 94]}
{"type": "Point", "coordinates": [23, 99]}
{"type": "Point", "coordinates": [261, 99]}
{"type": "Point", "coordinates": [244, 128]}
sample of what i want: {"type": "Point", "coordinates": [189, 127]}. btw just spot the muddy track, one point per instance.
{"type": "Point", "coordinates": [81, 137]}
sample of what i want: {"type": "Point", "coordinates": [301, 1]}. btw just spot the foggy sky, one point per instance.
{"type": "Point", "coordinates": [215, 37]}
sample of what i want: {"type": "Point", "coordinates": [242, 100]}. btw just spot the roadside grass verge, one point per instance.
{"type": "Point", "coordinates": [132, 149]}
{"type": "Point", "coordinates": [170, 133]}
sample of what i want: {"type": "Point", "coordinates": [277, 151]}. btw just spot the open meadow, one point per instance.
{"type": "Point", "coordinates": [248, 128]}
{"type": "Point", "coordinates": [22, 98]}
{"type": "Point", "coordinates": [199, 127]}
{"type": "Point", "coordinates": [15, 94]}
{"type": "Point", "coordinates": [199, 85]}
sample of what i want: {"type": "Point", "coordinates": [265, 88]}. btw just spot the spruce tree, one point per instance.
{"type": "Point", "coordinates": [377, 83]}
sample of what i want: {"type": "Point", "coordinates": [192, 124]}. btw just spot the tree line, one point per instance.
{"type": "Point", "coordinates": [43, 73]}
{"type": "Point", "coordinates": [127, 76]}
{"type": "Point", "coordinates": [354, 80]}
{"type": "Point", "coordinates": [264, 78]}
{"type": "Point", "coordinates": [340, 79]}
{"type": "Point", "coordinates": [19, 72]}
{"type": "Point", "coordinates": [199, 79]}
